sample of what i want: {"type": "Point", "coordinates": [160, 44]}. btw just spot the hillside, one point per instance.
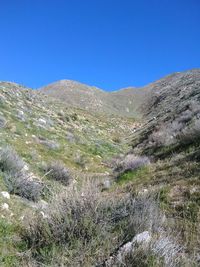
{"type": "Point", "coordinates": [79, 187]}
{"type": "Point", "coordinates": [124, 102]}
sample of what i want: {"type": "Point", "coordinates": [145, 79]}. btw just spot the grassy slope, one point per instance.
{"type": "Point", "coordinates": [124, 102]}
{"type": "Point", "coordinates": [173, 174]}
{"type": "Point", "coordinates": [83, 141]}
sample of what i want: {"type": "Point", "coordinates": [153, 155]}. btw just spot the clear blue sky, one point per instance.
{"type": "Point", "coordinates": [107, 43]}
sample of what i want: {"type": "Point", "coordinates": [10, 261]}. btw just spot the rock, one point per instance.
{"type": "Point", "coordinates": [44, 216]}
{"type": "Point", "coordinates": [42, 121]}
{"type": "Point", "coordinates": [106, 184]}
{"type": "Point", "coordinates": [20, 115]}
{"type": "Point", "coordinates": [43, 204]}
{"type": "Point", "coordinates": [5, 194]}
{"type": "Point", "coordinates": [25, 168]}
{"type": "Point", "coordinates": [143, 237]}
{"type": "Point", "coordinates": [140, 239]}
{"type": "Point", "coordinates": [143, 192]}
{"type": "Point", "coordinates": [20, 112]}
{"type": "Point", "coordinates": [5, 206]}
{"type": "Point", "coordinates": [2, 122]}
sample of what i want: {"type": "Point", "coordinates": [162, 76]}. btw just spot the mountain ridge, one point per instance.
{"type": "Point", "coordinates": [123, 102]}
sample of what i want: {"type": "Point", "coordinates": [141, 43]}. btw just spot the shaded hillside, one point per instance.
{"type": "Point", "coordinates": [172, 110]}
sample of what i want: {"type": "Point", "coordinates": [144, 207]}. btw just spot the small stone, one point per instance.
{"type": "Point", "coordinates": [5, 206]}
{"type": "Point", "coordinates": [106, 184]}
{"type": "Point", "coordinates": [44, 216]}
{"type": "Point", "coordinates": [2, 122]}
{"type": "Point", "coordinates": [21, 112]}
{"type": "Point", "coordinates": [43, 204]}
{"type": "Point", "coordinates": [5, 194]}
{"type": "Point", "coordinates": [42, 121]}
{"type": "Point", "coordinates": [143, 237]}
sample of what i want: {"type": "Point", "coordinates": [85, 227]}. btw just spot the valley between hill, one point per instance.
{"type": "Point", "coordinates": [89, 178]}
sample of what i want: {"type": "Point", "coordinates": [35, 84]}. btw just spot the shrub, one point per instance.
{"type": "Point", "coordinates": [10, 161]}
{"type": "Point", "coordinates": [191, 133]}
{"type": "Point", "coordinates": [58, 172]}
{"type": "Point", "coordinates": [182, 128]}
{"type": "Point", "coordinates": [88, 225]}
{"type": "Point", "coordinates": [21, 184]}
{"type": "Point", "coordinates": [17, 180]}
{"type": "Point", "coordinates": [130, 163]}
{"type": "Point", "coordinates": [166, 134]}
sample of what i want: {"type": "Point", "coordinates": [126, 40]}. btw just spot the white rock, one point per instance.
{"type": "Point", "coordinates": [21, 112]}
{"type": "Point", "coordinates": [44, 216]}
{"type": "Point", "coordinates": [143, 191]}
{"type": "Point", "coordinates": [5, 206]}
{"type": "Point", "coordinates": [5, 194]}
{"type": "Point", "coordinates": [43, 204]}
{"type": "Point", "coordinates": [107, 184]}
{"type": "Point", "coordinates": [43, 121]}
{"type": "Point", "coordinates": [143, 237]}
{"type": "Point", "coordinates": [26, 168]}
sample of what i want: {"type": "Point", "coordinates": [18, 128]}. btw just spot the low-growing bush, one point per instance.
{"type": "Point", "coordinates": [16, 178]}
{"type": "Point", "coordinates": [130, 163]}
{"type": "Point", "coordinates": [184, 128]}
{"type": "Point", "coordinates": [21, 184]}
{"type": "Point", "coordinates": [87, 225]}
{"type": "Point", "coordinates": [10, 161]}
{"type": "Point", "coordinates": [58, 172]}
{"type": "Point", "coordinates": [191, 133]}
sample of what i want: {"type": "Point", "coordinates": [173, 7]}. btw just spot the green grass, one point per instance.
{"type": "Point", "coordinates": [133, 176]}
{"type": "Point", "coordinates": [9, 244]}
